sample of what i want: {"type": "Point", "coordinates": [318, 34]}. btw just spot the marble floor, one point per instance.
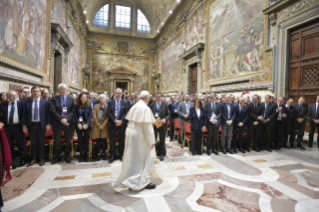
{"type": "Point", "coordinates": [286, 180]}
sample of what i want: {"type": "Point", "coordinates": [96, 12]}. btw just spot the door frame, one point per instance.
{"type": "Point", "coordinates": [122, 80]}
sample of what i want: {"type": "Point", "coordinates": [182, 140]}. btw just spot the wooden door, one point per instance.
{"type": "Point", "coordinates": [193, 79]}
{"type": "Point", "coordinates": [122, 85]}
{"type": "Point", "coordinates": [304, 63]}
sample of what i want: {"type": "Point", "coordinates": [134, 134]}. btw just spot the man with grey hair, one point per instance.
{"type": "Point", "coordinates": [183, 114]}
{"type": "Point", "coordinates": [62, 112]}
{"type": "Point", "coordinates": [139, 153]}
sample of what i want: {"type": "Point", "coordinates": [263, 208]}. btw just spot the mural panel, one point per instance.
{"type": "Point", "coordinates": [159, 61]}
{"type": "Point", "coordinates": [172, 67]}
{"type": "Point", "coordinates": [59, 13]}
{"type": "Point", "coordinates": [195, 31]}
{"type": "Point", "coordinates": [23, 32]}
{"type": "Point", "coordinates": [236, 38]}
{"type": "Point", "coordinates": [75, 57]}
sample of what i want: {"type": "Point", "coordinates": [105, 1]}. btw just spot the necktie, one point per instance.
{"type": "Point", "coordinates": [117, 108]}
{"type": "Point", "coordinates": [36, 111]}
{"type": "Point", "coordinates": [213, 107]}
{"type": "Point", "coordinates": [266, 111]}
{"type": "Point", "coordinates": [317, 114]}
{"type": "Point", "coordinates": [11, 115]}
{"type": "Point", "coordinates": [300, 108]}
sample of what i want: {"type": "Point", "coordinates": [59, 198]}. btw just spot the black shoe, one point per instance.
{"type": "Point", "coordinates": [22, 162]}
{"type": "Point", "coordinates": [86, 158]}
{"type": "Point", "coordinates": [242, 150]}
{"type": "Point", "coordinates": [278, 148]}
{"type": "Point", "coordinates": [80, 158]}
{"type": "Point", "coordinates": [300, 146]}
{"type": "Point", "coordinates": [55, 160]}
{"type": "Point", "coordinates": [235, 151]}
{"type": "Point", "coordinates": [256, 149]}
{"type": "Point", "coordinates": [215, 151]}
{"type": "Point", "coordinates": [98, 157]}
{"type": "Point", "coordinates": [68, 160]}
{"type": "Point", "coordinates": [104, 156]}
{"type": "Point", "coordinates": [247, 150]}
{"type": "Point", "coordinates": [209, 153]}
{"type": "Point", "coordinates": [292, 146]}
{"type": "Point", "coordinates": [111, 160]}
{"type": "Point", "coordinates": [224, 151]}
{"type": "Point", "coordinates": [229, 151]}
{"type": "Point", "coordinates": [182, 146]}
{"type": "Point", "coordinates": [121, 158]}
{"type": "Point", "coordinates": [161, 158]}
{"type": "Point", "coordinates": [310, 146]}
{"type": "Point", "coordinates": [150, 186]}
{"type": "Point", "coordinates": [285, 146]}
{"type": "Point", "coordinates": [269, 150]}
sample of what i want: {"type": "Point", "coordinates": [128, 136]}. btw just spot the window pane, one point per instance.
{"type": "Point", "coordinates": [123, 17]}
{"type": "Point", "coordinates": [101, 18]}
{"type": "Point", "coordinates": [143, 26]}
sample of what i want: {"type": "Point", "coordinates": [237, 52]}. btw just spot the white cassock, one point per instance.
{"type": "Point", "coordinates": [138, 156]}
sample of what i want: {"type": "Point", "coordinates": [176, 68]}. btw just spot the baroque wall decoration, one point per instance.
{"type": "Point", "coordinates": [59, 13]}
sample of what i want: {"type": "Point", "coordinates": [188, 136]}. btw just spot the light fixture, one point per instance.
{"type": "Point", "coordinates": [84, 11]}
{"type": "Point", "coordinates": [162, 23]}
{"type": "Point", "coordinates": [170, 11]}
{"type": "Point", "coordinates": [178, 1]}
{"type": "Point", "coordinates": [87, 21]}
{"type": "Point", "coordinates": [158, 31]}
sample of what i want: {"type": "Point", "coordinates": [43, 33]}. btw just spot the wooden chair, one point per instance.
{"type": "Point", "coordinates": [168, 128]}
{"type": "Point", "coordinates": [177, 129]}
{"type": "Point", "coordinates": [188, 136]}
{"type": "Point", "coordinates": [49, 142]}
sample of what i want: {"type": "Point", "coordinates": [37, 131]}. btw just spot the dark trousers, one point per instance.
{"type": "Point", "coordinates": [196, 142]}
{"type": "Point", "coordinates": [162, 133]}
{"type": "Point", "coordinates": [121, 135]}
{"type": "Point", "coordinates": [266, 131]}
{"type": "Point", "coordinates": [83, 140]}
{"type": "Point", "coordinates": [313, 127]}
{"type": "Point", "coordinates": [256, 132]}
{"type": "Point", "coordinates": [101, 145]}
{"type": "Point", "coordinates": [57, 133]}
{"type": "Point", "coordinates": [238, 135]}
{"type": "Point", "coordinates": [285, 128]}
{"type": "Point", "coordinates": [276, 135]}
{"type": "Point", "coordinates": [212, 132]}
{"type": "Point", "coordinates": [16, 133]}
{"type": "Point", "coordinates": [301, 130]}
{"type": "Point", "coordinates": [37, 137]}
{"type": "Point", "coordinates": [171, 131]}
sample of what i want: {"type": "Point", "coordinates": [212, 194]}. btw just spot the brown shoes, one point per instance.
{"type": "Point", "coordinates": [31, 163]}
{"type": "Point", "coordinates": [41, 162]}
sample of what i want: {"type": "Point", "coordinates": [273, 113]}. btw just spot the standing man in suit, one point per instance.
{"type": "Point", "coordinates": [62, 112]}
{"type": "Point", "coordinates": [174, 115]}
{"type": "Point", "coordinates": [13, 117]}
{"type": "Point", "coordinates": [131, 102]}
{"type": "Point", "coordinates": [286, 122]}
{"type": "Point", "coordinates": [268, 119]}
{"type": "Point", "coordinates": [160, 110]}
{"type": "Point", "coordinates": [254, 124]}
{"type": "Point", "coordinates": [183, 114]}
{"type": "Point", "coordinates": [214, 116]}
{"type": "Point", "coordinates": [240, 123]}
{"type": "Point", "coordinates": [314, 121]}
{"type": "Point", "coordinates": [281, 114]}
{"type": "Point", "coordinates": [116, 111]}
{"type": "Point", "coordinates": [301, 113]}
{"type": "Point", "coordinates": [228, 118]}
{"type": "Point", "coordinates": [37, 122]}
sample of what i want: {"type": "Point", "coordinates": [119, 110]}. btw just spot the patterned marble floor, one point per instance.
{"type": "Point", "coordinates": [286, 180]}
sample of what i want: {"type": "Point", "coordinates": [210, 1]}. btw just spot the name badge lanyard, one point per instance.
{"type": "Point", "coordinates": [64, 108]}
{"type": "Point", "coordinates": [157, 109]}
{"type": "Point", "coordinates": [187, 107]}
{"type": "Point", "coordinates": [81, 117]}
{"type": "Point", "coordinates": [117, 109]}
{"type": "Point", "coordinates": [175, 107]}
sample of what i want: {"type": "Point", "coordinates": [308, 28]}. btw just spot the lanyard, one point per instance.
{"type": "Point", "coordinates": [62, 100]}
{"type": "Point", "coordinates": [187, 105]}
{"type": "Point", "coordinates": [158, 106]}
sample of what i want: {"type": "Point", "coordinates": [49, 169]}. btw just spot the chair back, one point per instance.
{"type": "Point", "coordinates": [177, 125]}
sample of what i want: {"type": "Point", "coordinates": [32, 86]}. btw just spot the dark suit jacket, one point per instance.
{"type": "Point", "coordinates": [56, 110]}
{"type": "Point", "coordinates": [93, 103]}
{"type": "Point", "coordinates": [44, 111]}
{"type": "Point", "coordinates": [271, 111]}
{"type": "Point", "coordinates": [225, 113]}
{"type": "Point", "coordinates": [217, 111]}
{"type": "Point", "coordinates": [111, 113]}
{"type": "Point", "coordinates": [163, 112]}
{"type": "Point", "coordinates": [4, 109]}
{"type": "Point", "coordinates": [172, 110]}
{"type": "Point", "coordinates": [241, 116]}
{"type": "Point", "coordinates": [304, 114]}
{"type": "Point", "coordinates": [88, 113]}
{"type": "Point", "coordinates": [197, 123]}
{"type": "Point", "coordinates": [254, 113]}
{"type": "Point", "coordinates": [129, 105]}
{"type": "Point", "coordinates": [312, 112]}
{"type": "Point", "coordinates": [284, 111]}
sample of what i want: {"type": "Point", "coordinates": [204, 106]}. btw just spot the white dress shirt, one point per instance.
{"type": "Point", "coordinates": [198, 112]}
{"type": "Point", "coordinates": [16, 115]}
{"type": "Point", "coordinates": [213, 117]}
{"type": "Point", "coordinates": [228, 108]}
{"type": "Point", "coordinates": [33, 103]}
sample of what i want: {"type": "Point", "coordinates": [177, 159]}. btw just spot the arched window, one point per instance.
{"type": "Point", "coordinates": [101, 18]}
{"type": "Point", "coordinates": [143, 26]}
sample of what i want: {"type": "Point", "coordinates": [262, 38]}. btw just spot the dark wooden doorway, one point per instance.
{"type": "Point", "coordinates": [123, 85]}
{"type": "Point", "coordinates": [193, 80]}
{"type": "Point", "coordinates": [304, 63]}
{"type": "Point", "coordinates": [57, 71]}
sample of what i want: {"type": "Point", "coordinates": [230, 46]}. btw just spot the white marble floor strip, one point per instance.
{"type": "Point", "coordinates": [156, 204]}
{"type": "Point", "coordinates": [77, 196]}
{"type": "Point", "coordinates": [52, 205]}
{"type": "Point", "coordinates": [98, 202]}
{"type": "Point", "coordinates": [84, 171]}
{"type": "Point", "coordinates": [296, 195]}
{"type": "Point", "coordinates": [80, 182]}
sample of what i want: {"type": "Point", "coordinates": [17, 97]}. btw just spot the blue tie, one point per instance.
{"type": "Point", "coordinates": [266, 112]}
{"type": "Point", "coordinates": [117, 108]}
{"type": "Point", "coordinates": [36, 111]}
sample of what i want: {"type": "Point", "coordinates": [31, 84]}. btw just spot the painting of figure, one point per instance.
{"type": "Point", "coordinates": [102, 63]}
{"type": "Point", "coordinates": [172, 65]}
{"type": "Point", "coordinates": [74, 57]}
{"type": "Point", "coordinates": [195, 31]}
{"type": "Point", "coordinates": [59, 12]}
{"type": "Point", "coordinates": [23, 32]}
{"type": "Point", "coordinates": [236, 38]}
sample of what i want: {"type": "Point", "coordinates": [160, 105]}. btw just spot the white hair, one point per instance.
{"type": "Point", "coordinates": [119, 89]}
{"type": "Point", "coordinates": [102, 96]}
{"type": "Point", "coordinates": [144, 94]}
{"type": "Point", "coordinates": [62, 85]}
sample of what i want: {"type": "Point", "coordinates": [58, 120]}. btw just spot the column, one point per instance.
{"type": "Point", "coordinates": [132, 85]}
{"type": "Point", "coordinates": [111, 87]}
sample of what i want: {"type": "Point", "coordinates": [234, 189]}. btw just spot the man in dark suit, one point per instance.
{"type": "Point", "coordinates": [314, 121]}
{"type": "Point", "coordinates": [37, 122]}
{"type": "Point", "coordinates": [116, 111]}
{"type": "Point", "coordinates": [174, 115]}
{"type": "Point", "coordinates": [268, 120]}
{"type": "Point", "coordinates": [228, 118]}
{"type": "Point", "coordinates": [183, 114]}
{"type": "Point", "coordinates": [281, 114]}
{"type": "Point", "coordinates": [254, 125]}
{"type": "Point", "coordinates": [131, 102]}
{"type": "Point", "coordinates": [214, 115]}
{"type": "Point", "coordinates": [301, 113]}
{"type": "Point", "coordinates": [13, 117]}
{"type": "Point", "coordinates": [286, 122]}
{"type": "Point", "coordinates": [240, 123]}
{"type": "Point", "coordinates": [62, 118]}
{"type": "Point", "coordinates": [160, 110]}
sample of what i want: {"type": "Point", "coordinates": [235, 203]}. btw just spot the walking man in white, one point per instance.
{"type": "Point", "coordinates": [139, 153]}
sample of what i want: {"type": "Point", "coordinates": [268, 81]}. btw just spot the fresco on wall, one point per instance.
{"type": "Point", "coordinates": [159, 61]}
{"type": "Point", "coordinates": [74, 57]}
{"type": "Point", "coordinates": [195, 31]}
{"type": "Point", "coordinates": [59, 12]}
{"type": "Point", "coordinates": [23, 31]}
{"type": "Point", "coordinates": [172, 67]}
{"type": "Point", "coordinates": [236, 30]}
{"type": "Point", "coordinates": [102, 63]}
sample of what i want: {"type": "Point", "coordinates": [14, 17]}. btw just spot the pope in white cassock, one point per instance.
{"type": "Point", "coordinates": [139, 153]}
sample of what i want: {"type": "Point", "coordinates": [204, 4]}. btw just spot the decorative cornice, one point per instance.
{"type": "Point", "coordinates": [63, 38]}
{"type": "Point", "coordinates": [127, 70]}
{"type": "Point", "coordinates": [279, 5]}
{"type": "Point", "coordinates": [200, 46]}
